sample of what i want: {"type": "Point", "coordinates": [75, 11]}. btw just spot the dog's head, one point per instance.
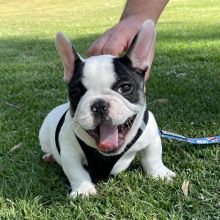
{"type": "Point", "coordinates": [105, 92]}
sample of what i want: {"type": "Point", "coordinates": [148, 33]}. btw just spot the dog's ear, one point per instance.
{"type": "Point", "coordinates": [139, 52]}
{"type": "Point", "coordinates": [67, 54]}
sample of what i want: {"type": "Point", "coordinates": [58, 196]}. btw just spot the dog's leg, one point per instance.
{"type": "Point", "coordinates": [151, 158]}
{"type": "Point", "coordinates": [44, 139]}
{"type": "Point", "coordinates": [79, 178]}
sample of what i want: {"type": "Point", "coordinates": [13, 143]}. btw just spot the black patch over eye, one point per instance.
{"type": "Point", "coordinates": [129, 82]}
{"type": "Point", "coordinates": [75, 87]}
{"type": "Point", "coordinates": [125, 89]}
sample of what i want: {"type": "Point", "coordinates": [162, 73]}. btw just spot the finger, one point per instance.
{"type": "Point", "coordinates": [97, 47]}
{"type": "Point", "coordinates": [114, 46]}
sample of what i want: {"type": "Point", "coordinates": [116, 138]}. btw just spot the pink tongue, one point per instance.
{"type": "Point", "coordinates": [108, 137]}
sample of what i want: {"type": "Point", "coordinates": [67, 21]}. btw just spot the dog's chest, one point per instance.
{"type": "Point", "coordinates": [99, 165]}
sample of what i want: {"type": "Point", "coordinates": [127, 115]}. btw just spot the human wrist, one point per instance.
{"type": "Point", "coordinates": [144, 9]}
{"type": "Point", "coordinates": [139, 18]}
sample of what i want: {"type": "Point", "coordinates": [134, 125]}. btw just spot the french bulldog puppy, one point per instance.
{"type": "Point", "coordinates": [106, 121]}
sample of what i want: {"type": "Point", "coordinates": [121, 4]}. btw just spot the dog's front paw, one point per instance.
{"type": "Point", "coordinates": [162, 172]}
{"type": "Point", "coordinates": [85, 189]}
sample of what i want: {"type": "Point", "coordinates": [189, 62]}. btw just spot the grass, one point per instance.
{"type": "Point", "coordinates": [186, 73]}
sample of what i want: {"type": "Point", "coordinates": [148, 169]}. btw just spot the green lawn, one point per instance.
{"type": "Point", "coordinates": [186, 72]}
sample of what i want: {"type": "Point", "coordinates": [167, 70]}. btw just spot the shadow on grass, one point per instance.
{"type": "Point", "coordinates": [31, 78]}
{"type": "Point", "coordinates": [191, 33]}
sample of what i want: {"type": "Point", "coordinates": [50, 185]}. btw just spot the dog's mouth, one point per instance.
{"type": "Point", "coordinates": [108, 137]}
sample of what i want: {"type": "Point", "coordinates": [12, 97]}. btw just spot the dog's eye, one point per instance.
{"type": "Point", "coordinates": [125, 89]}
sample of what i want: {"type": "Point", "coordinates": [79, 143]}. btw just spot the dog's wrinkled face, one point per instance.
{"type": "Point", "coordinates": [106, 92]}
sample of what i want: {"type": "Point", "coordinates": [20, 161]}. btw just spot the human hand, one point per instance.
{"type": "Point", "coordinates": [118, 38]}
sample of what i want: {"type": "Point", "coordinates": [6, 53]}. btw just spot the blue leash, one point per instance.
{"type": "Point", "coordinates": [205, 140]}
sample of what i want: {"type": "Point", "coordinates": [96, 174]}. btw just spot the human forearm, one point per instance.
{"type": "Point", "coordinates": [118, 38]}
{"type": "Point", "coordinates": [146, 9]}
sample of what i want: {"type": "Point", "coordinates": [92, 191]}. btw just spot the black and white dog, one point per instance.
{"type": "Point", "coordinates": [106, 121]}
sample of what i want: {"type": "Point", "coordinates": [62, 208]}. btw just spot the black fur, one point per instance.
{"type": "Point", "coordinates": [99, 165]}
{"type": "Point", "coordinates": [127, 74]}
{"type": "Point", "coordinates": [75, 87]}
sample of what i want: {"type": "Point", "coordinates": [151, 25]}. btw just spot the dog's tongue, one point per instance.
{"type": "Point", "coordinates": [108, 137]}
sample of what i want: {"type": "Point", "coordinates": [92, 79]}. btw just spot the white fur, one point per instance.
{"type": "Point", "coordinates": [72, 157]}
{"type": "Point", "coordinates": [98, 78]}
{"type": "Point", "coordinates": [96, 68]}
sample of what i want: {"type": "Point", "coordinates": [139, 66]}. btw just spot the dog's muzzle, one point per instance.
{"type": "Point", "coordinates": [108, 136]}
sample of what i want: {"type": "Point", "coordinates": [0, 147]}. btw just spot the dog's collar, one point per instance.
{"type": "Point", "coordinates": [99, 165]}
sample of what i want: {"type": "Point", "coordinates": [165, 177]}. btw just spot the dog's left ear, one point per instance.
{"type": "Point", "coordinates": [141, 47]}
{"type": "Point", "coordinates": [67, 54]}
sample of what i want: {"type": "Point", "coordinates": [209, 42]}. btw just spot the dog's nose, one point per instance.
{"type": "Point", "coordinates": [99, 107]}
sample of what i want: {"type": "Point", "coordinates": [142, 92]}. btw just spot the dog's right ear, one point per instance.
{"type": "Point", "coordinates": [67, 54]}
